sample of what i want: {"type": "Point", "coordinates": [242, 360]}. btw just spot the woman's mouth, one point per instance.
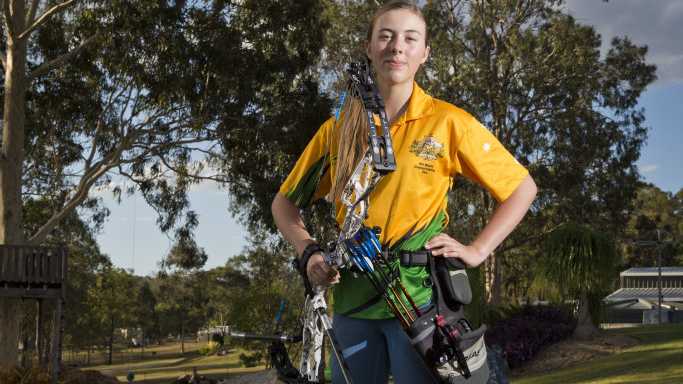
{"type": "Point", "coordinates": [394, 64]}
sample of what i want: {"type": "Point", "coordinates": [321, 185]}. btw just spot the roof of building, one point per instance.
{"type": "Point", "coordinates": [632, 304]}
{"type": "Point", "coordinates": [653, 271]}
{"type": "Point", "coordinates": [650, 294]}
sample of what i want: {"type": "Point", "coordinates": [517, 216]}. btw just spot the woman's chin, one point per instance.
{"type": "Point", "coordinates": [395, 78]}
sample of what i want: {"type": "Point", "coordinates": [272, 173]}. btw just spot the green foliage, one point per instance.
{"type": "Point", "coordinates": [254, 297]}
{"type": "Point", "coordinates": [146, 316]}
{"type": "Point", "coordinates": [185, 253]}
{"type": "Point", "coordinates": [581, 264]}
{"type": "Point", "coordinates": [209, 349]}
{"type": "Point", "coordinates": [252, 359]}
{"type": "Point", "coordinates": [578, 260]}
{"type": "Point", "coordinates": [166, 95]}
{"type": "Point", "coordinates": [535, 77]}
{"type": "Point", "coordinates": [182, 302]}
{"type": "Point", "coordinates": [655, 211]}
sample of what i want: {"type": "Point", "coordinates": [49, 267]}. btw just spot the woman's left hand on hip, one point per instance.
{"type": "Point", "coordinates": [446, 246]}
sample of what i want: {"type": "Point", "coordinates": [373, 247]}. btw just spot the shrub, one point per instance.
{"type": "Point", "coordinates": [18, 375]}
{"type": "Point", "coordinates": [251, 360]}
{"type": "Point", "coordinates": [528, 329]}
{"type": "Point", "coordinates": [209, 349]}
{"type": "Point", "coordinates": [40, 375]}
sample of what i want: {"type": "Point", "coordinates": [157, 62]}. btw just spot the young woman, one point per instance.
{"type": "Point", "coordinates": [433, 142]}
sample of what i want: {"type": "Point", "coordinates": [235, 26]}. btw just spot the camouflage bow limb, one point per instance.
{"type": "Point", "coordinates": [377, 161]}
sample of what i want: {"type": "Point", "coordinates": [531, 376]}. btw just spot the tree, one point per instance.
{"type": "Point", "coordinates": [182, 303]}
{"type": "Point", "coordinates": [146, 90]}
{"type": "Point", "coordinates": [113, 298]}
{"type": "Point", "coordinates": [536, 78]}
{"type": "Point", "coordinates": [579, 261]}
{"type": "Point", "coordinates": [529, 72]}
{"type": "Point", "coordinates": [657, 219]}
{"type": "Point", "coordinates": [270, 280]}
{"type": "Point", "coordinates": [146, 316]}
{"type": "Point", "coordinates": [185, 253]}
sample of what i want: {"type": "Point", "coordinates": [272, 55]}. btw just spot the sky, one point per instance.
{"type": "Point", "coordinates": [131, 238]}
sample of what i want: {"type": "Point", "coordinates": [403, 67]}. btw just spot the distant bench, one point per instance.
{"type": "Point", "coordinates": [37, 272]}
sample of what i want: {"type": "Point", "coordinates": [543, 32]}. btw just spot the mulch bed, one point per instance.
{"type": "Point", "coordinates": [571, 352]}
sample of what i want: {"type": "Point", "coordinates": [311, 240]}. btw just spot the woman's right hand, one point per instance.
{"type": "Point", "coordinates": [319, 273]}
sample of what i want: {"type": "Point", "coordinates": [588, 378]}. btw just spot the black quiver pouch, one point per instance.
{"type": "Point", "coordinates": [454, 351]}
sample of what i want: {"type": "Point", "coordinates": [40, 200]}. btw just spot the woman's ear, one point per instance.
{"type": "Point", "coordinates": [426, 56]}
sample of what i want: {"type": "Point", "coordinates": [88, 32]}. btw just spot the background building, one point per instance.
{"type": "Point", "coordinates": [637, 298]}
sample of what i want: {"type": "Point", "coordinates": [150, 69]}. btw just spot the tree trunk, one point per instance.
{"type": "Point", "coordinates": [495, 287]}
{"type": "Point", "coordinates": [182, 337]}
{"type": "Point", "coordinates": [585, 329]}
{"type": "Point", "coordinates": [11, 159]}
{"type": "Point", "coordinates": [111, 342]}
{"type": "Point", "coordinates": [492, 267]}
{"type": "Point", "coordinates": [39, 332]}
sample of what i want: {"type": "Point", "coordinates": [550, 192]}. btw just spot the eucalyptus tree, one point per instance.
{"type": "Point", "coordinates": [538, 80]}
{"type": "Point", "coordinates": [151, 92]}
{"type": "Point", "coordinates": [655, 229]}
{"type": "Point", "coordinates": [112, 298]}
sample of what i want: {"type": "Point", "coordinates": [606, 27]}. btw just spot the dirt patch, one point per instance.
{"type": "Point", "coordinates": [265, 377]}
{"type": "Point", "coordinates": [569, 352]}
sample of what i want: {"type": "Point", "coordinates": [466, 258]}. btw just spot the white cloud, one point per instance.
{"type": "Point", "coordinates": [656, 24]}
{"type": "Point", "coordinates": [648, 168]}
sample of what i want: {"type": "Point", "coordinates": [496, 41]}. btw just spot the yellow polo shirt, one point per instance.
{"type": "Point", "coordinates": [434, 142]}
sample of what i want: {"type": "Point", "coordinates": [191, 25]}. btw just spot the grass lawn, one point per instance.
{"type": "Point", "coordinates": [167, 364]}
{"type": "Point", "coordinates": [658, 358]}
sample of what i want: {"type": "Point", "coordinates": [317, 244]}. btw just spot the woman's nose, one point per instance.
{"type": "Point", "coordinates": [396, 46]}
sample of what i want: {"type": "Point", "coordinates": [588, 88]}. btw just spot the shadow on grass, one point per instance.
{"type": "Point", "coordinates": [216, 376]}
{"type": "Point", "coordinates": [185, 364]}
{"type": "Point", "coordinates": [657, 360]}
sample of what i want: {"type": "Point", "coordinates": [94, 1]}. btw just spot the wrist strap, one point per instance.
{"type": "Point", "coordinates": [309, 251]}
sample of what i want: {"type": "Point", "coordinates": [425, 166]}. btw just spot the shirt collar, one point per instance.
{"type": "Point", "coordinates": [419, 105]}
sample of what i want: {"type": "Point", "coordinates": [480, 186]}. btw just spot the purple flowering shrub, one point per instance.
{"type": "Point", "coordinates": [522, 332]}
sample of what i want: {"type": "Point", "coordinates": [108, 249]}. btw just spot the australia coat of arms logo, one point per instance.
{"type": "Point", "coordinates": [427, 148]}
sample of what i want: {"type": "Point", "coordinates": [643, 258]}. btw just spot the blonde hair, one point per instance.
{"type": "Point", "coordinates": [352, 127]}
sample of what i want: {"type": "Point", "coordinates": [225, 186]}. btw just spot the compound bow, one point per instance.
{"type": "Point", "coordinates": [357, 247]}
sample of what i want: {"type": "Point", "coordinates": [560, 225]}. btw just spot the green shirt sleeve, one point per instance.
{"type": "Point", "coordinates": [310, 178]}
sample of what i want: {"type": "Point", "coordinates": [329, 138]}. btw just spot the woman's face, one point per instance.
{"type": "Point", "coordinates": [397, 46]}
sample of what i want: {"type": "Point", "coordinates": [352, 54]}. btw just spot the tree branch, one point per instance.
{"type": "Point", "coordinates": [4, 60]}
{"type": "Point", "coordinates": [44, 18]}
{"type": "Point", "coordinates": [61, 60]}
{"type": "Point", "coordinates": [531, 239]}
{"type": "Point", "coordinates": [194, 176]}
{"type": "Point", "coordinates": [81, 193]}
{"type": "Point", "coordinates": [8, 20]}
{"type": "Point", "coordinates": [31, 15]}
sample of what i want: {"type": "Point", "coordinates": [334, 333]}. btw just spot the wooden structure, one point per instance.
{"type": "Point", "coordinates": [39, 273]}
